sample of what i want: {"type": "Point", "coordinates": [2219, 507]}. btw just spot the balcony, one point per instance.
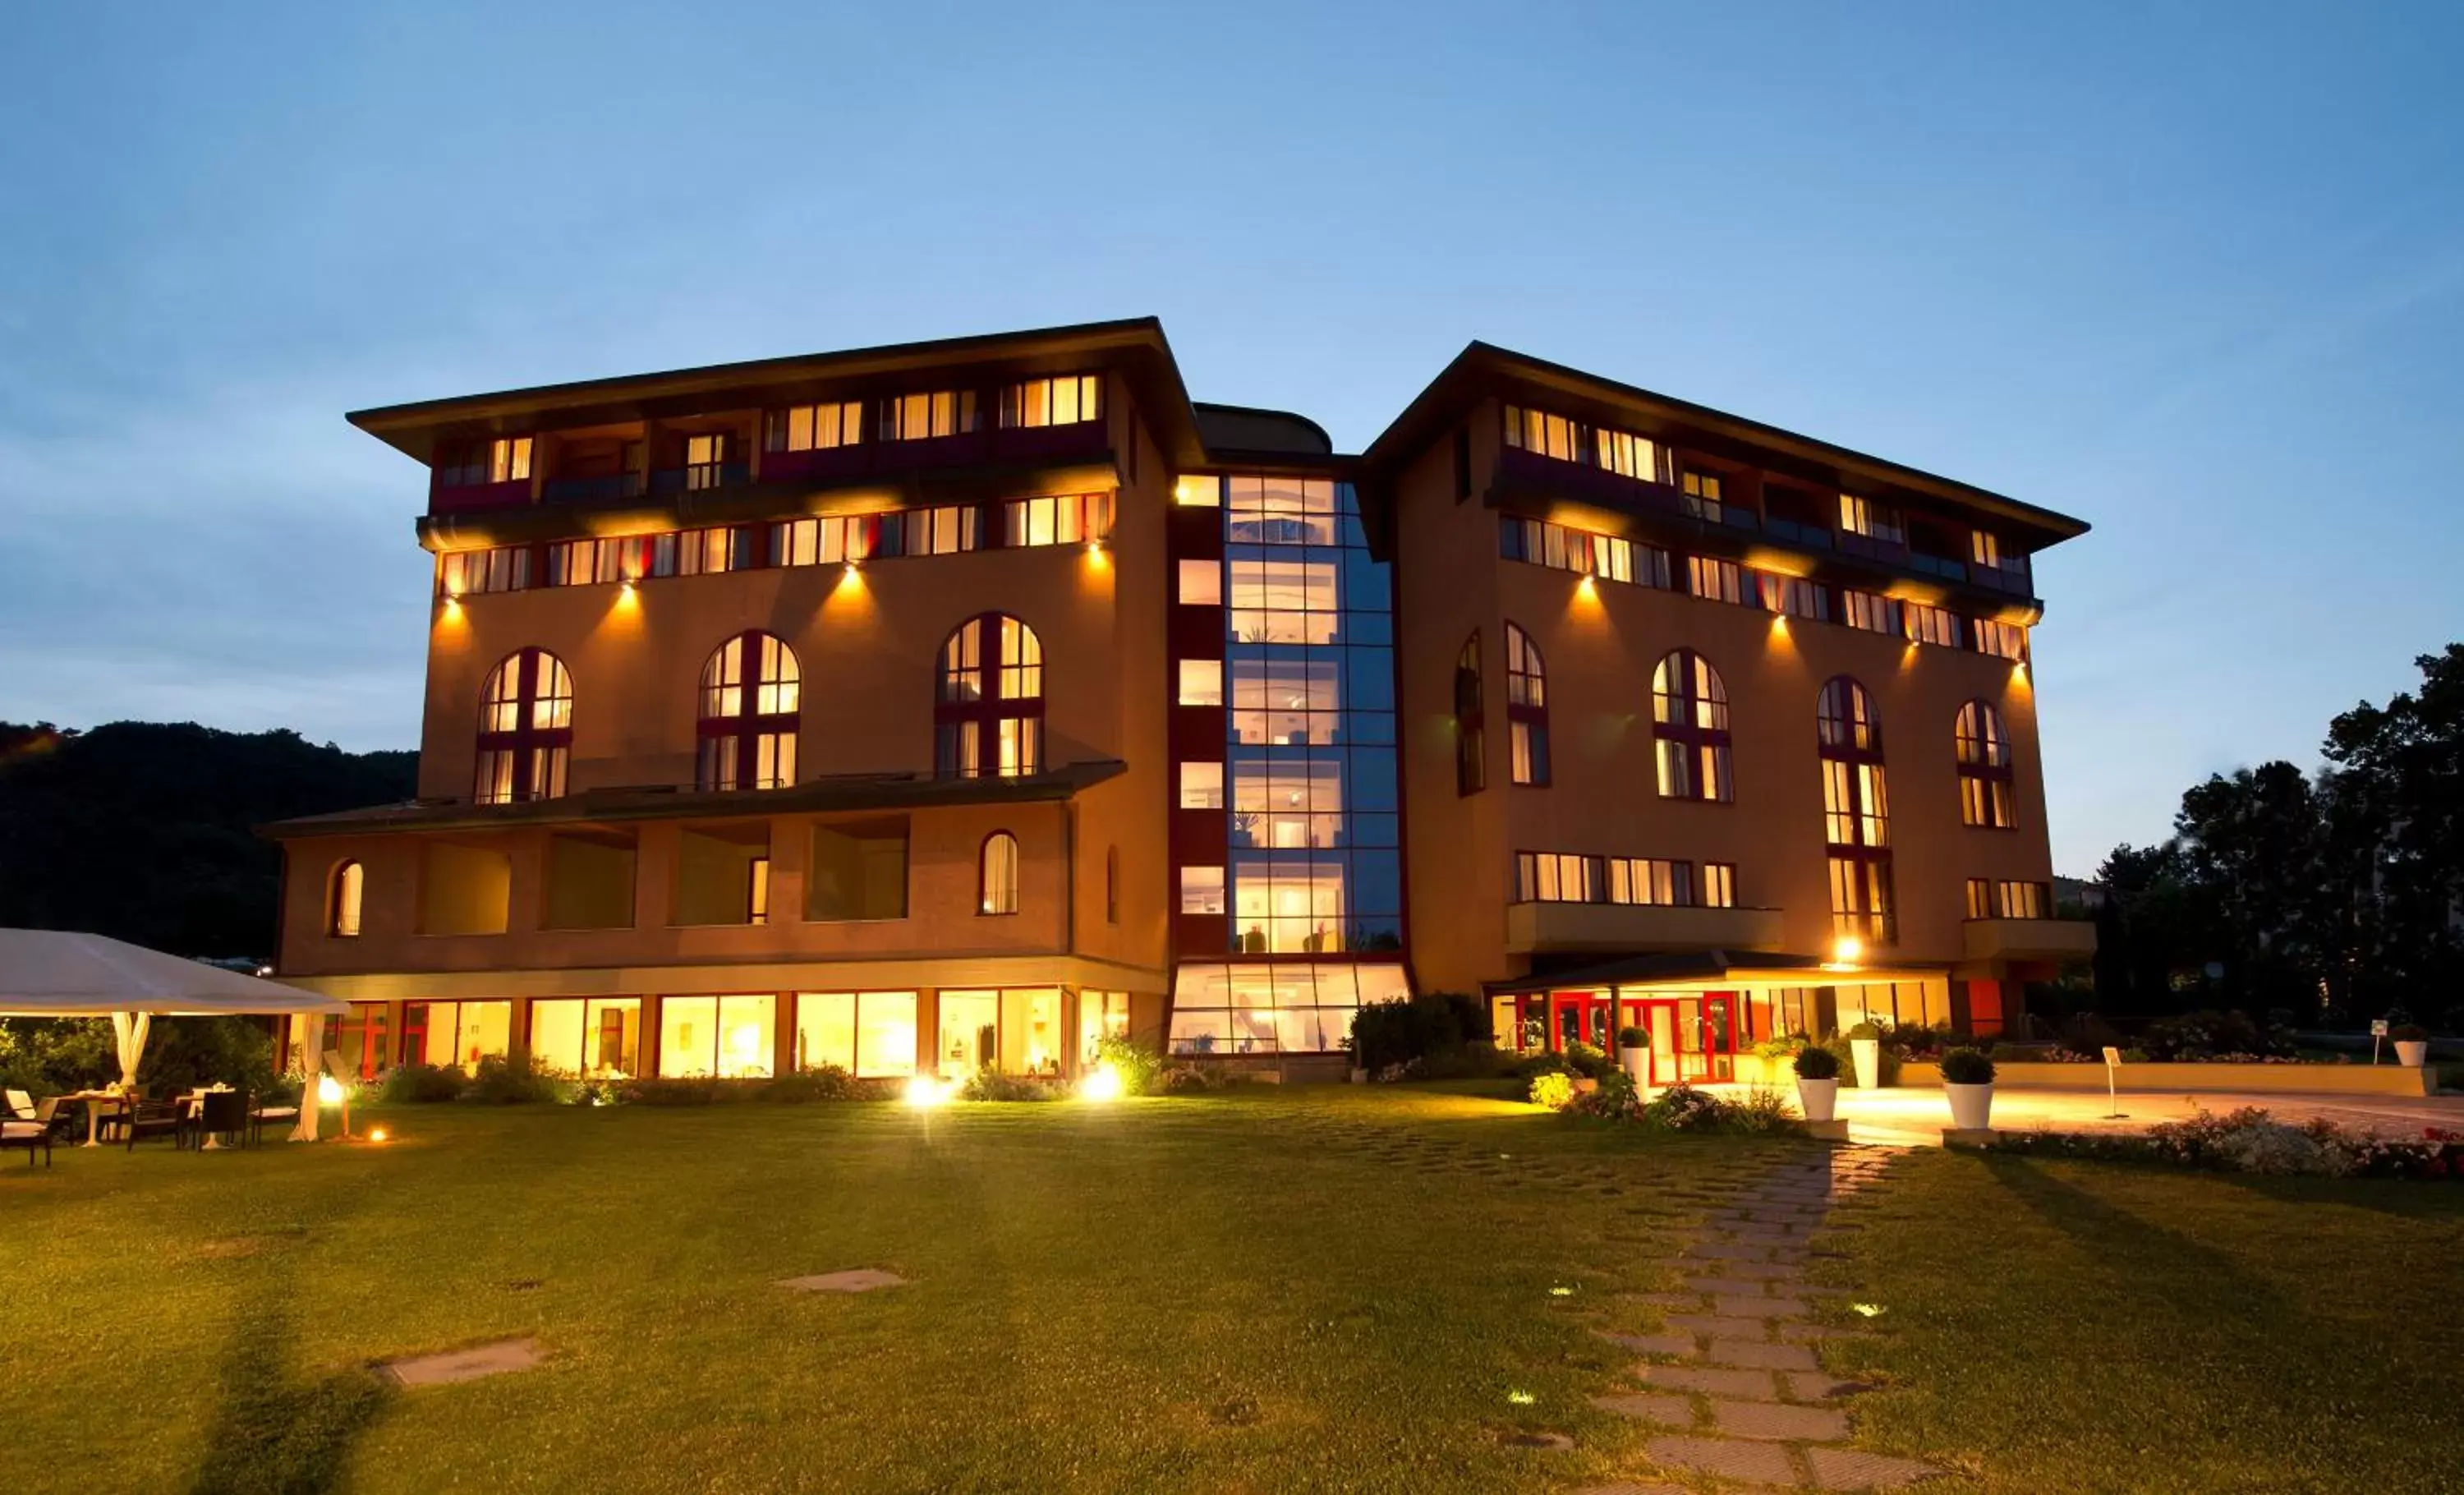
{"type": "Point", "coordinates": [610, 488]}
{"type": "Point", "coordinates": [1631, 928]}
{"type": "Point", "coordinates": [2028, 939]}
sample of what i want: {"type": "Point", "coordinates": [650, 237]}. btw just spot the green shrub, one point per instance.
{"type": "Point", "coordinates": [422, 1084]}
{"type": "Point", "coordinates": [1589, 1062]}
{"type": "Point", "coordinates": [1138, 1066]}
{"type": "Point", "coordinates": [986, 1084]}
{"type": "Point", "coordinates": [1818, 1064]}
{"type": "Point", "coordinates": [1866, 1030]}
{"type": "Point", "coordinates": [1762, 1111]}
{"type": "Point", "coordinates": [2409, 1033]}
{"type": "Point", "coordinates": [1193, 1079]}
{"type": "Point", "coordinates": [817, 1083]}
{"type": "Point", "coordinates": [1633, 1037]}
{"type": "Point", "coordinates": [1967, 1066]}
{"type": "Point", "coordinates": [1390, 1033]}
{"type": "Point", "coordinates": [513, 1079]}
{"type": "Point", "coordinates": [1783, 1045]}
{"type": "Point", "coordinates": [1554, 1090]}
{"type": "Point", "coordinates": [658, 1090]}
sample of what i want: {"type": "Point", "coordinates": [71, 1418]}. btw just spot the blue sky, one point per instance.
{"type": "Point", "coordinates": [2193, 273]}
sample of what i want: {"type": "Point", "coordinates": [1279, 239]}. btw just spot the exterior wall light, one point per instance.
{"type": "Point", "coordinates": [1847, 950]}
{"type": "Point", "coordinates": [927, 1091]}
{"type": "Point", "coordinates": [1103, 1084]}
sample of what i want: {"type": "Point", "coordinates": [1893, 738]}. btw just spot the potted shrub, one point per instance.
{"type": "Point", "coordinates": [1866, 1044]}
{"type": "Point", "coordinates": [1634, 1051]}
{"type": "Point", "coordinates": [1818, 1082]}
{"type": "Point", "coordinates": [1968, 1079]}
{"type": "Point", "coordinates": [2412, 1044]}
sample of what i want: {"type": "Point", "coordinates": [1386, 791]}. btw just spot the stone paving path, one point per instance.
{"type": "Point", "coordinates": [1733, 1379]}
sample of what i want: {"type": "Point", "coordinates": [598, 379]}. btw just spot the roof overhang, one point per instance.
{"type": "Point", "coordinates": [1482, 371]}
{"type": "Point", "coordinates": [841, 794]}
{"type": "Point", "coordinates": [1713, 970]}
{"type": "Point", "coordinates": [1135, 349]}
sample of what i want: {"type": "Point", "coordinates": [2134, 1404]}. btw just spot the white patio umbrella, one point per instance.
{"type": "Point", "coordinates": [60, 974]}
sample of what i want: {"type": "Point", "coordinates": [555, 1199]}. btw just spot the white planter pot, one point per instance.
{"type": "Point", "coordinates": [2411, 1053]}
{"type": "Point", "coordinates": [1820, 1098]}
{"type": "Point", "coordinates": [1637, 1064]}
{"type": "Point", "coordinates": [1971, 1106]}
{"type": "Point", "coordinates": [1868, 1054]}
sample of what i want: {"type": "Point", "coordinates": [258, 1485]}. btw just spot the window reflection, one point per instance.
{"type": "Point", "coordinates": [1285, 700]}
{"type": "Point", "coordinates": [1286, 805]}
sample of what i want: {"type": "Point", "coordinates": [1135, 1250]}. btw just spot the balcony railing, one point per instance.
{"type": "Point", "coordinates": [1604, 928]}
{"type": "Point", "coordinates": [699, 478]}
{"type": "Point", "coordinates": [2028, 939]}
{"type": "Point", "coordinates": [1943, 566]}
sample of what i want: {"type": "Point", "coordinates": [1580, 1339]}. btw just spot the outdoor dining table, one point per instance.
{"type": "Point", "coordinates": [95, 1102]}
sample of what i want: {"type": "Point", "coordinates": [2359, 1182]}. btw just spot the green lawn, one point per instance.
{"type": "Point", "coordinates": [2081, 1327]}
{"type": "Point", "coordinates": [1323, 1289]}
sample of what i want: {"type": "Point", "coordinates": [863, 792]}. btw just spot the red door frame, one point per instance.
{"type": "Point", "coordinates": [413, 1045]}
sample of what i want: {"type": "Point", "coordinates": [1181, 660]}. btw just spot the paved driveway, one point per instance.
{"type": "Point", "coordinates": [1917, 1117]}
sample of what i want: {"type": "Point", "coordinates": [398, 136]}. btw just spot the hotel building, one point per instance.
{"type": "Point", "coordinates": [952, 705]}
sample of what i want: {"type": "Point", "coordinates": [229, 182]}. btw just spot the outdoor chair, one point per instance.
{"type": "Point", "coordinates": [154, 1119]}
{"type": "Point", "coordinates": [28, 1135]}
{"type": "Point", "coordinates": [57, 1116]}
{"type": "Point", "coordinates": [223, 1113]}
{"type": "Point", "coordinates": [21, 1105]}
{"type": "Point", "coordinates": [260, 1117]}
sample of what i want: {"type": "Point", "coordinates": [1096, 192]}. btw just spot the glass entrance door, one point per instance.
{"type": "Point", "coordinates": [1693, 1039]}
{"type": "Point", "coordinates": [970, 1032]}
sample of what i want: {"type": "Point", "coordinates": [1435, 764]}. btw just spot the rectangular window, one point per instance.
{"type": "Point", "coordinates": [1065, 520]}
{"type": "Point", "coordinates": [1650, 880]}
{"type": "Point", "coordinates": [1604, 556]}
{"type": "Point", "coordinates": [1201, 681]}
{"type": "Point", "coordinates": [1719, 884]}
{"type": "Point", "coordinates": [1201, 786]}
{"type": "Point", "coordinates": [1719, 581]}
{"type": "Point", "coordinates": [2008, 640]}
{"type": "Point", "coordinates": [468, 573]}
{"type": "Point", "coordinates": [757, 900]}
{"type": "Point", "coordinates": [944, 531]}
{"type": "Point", "coordinates": [2007, 900]}
{"type": "Point", "coordinates": [1870, 612]}
{"type": "Point", "coordinates": [1980, 897]}
{"type": "Point", "coordinates": [1197, 491]}
{"type": "Point", "coordinates": [918, 417]}
{"type": "Point", "coordinates": [1201, 889]}
{"type": "Point", "coordinates": [1201, 583]}
{"type": "Point", "coordinates": [813, 427]}
{"type": "Point", "coordinates": [1794, 596]}
{"type": "Point", "coordinates": [1284, 602]}
{"type": "Point", "coordinates": [731, 1037]}
{"type": "Point", "coordinates": [1703, 496]}
{"type": "Point", "coordinates": [1985, 549]}
{"type": "Point", "coordinates": [1282, 510]}
{"type": "Point", "coordinates": [1529, 743]}
{"type": "Point", "coordinates": [1558, 877]}
{"type": "Point", "coordinates": [1064, 400]}
{"type": "Point", "coordinates": [706, 460]}
{"type": "Point", "coordinates": [1930, 625]}
{"type": "Point", "coordinates": [1628, 455]}
{"type": "Point", "coordinates": [1548, 435]}
{"type": "Point", "coordinates": [1875, 521]}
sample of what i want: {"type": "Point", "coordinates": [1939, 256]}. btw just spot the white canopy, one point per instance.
{"type": "Point", "coordinates": [61, 974]}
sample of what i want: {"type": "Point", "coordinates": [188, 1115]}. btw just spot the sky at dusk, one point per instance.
{"type": "Point", "coordinates": [2193, 273]}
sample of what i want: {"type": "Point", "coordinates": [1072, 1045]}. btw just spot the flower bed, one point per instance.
{"type": "Point", "coordinates": [2269, 1076]}
{"type": "Point", "coordinates": [2251, 1140]}
{"type": "Point", "coordinates": [1678, 1108]}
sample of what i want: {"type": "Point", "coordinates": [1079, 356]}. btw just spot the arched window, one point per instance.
{"type": "Point", "coordinates": [751, 692]}
{"type": "Point", "coordinates": [1983, 769]}
{"type": "Point", "coordinates": [1690, 721]}
{"type": "Point", "coordinates": [1856, 812]}
{"type": "Point", "coordinates": [988, 705]}
{"type": "Point", "coordinates": [1527, 708]}
{"type": "Point", "coordinates": [999, 880]}
{"type": "Point", "coordinates": [525, 729]}
{"type": "Point", "coordinates": [343, 903]}
{"type": "Point", "coordinates": [1471, 763]}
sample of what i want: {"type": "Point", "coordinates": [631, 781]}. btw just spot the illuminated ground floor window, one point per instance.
{"type": "Point", "coordinates": [1289, 1008]}
{"type": "Point", "coordinates": [1101, 1015]}
{"type": "Point", "coordinates": [455, 1034]}
{"type": "Point", "coordinates": [869, 1034]}
{"type": "Point", "coordinates": [1012, 1031]}
{"type": "Point", "coordinates": [733, 1038]}
{"type": "Point", "coordinates": [598, 1037]}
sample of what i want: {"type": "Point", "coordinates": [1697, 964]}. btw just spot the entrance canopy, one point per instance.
{"type": "Point", "coordinates": [1708, 970]}
{"type": "Point", "coordinates": [60, 974]}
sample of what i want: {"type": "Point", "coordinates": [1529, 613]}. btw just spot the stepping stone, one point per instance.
{"type": "Point", "coordinates": [1854, 1469]}
{"type": "Point", "coordinates": [1763, 1464]}
{"type": "Point", "coordinates": [1552, 1441]}
{"type": "Point", "coordinates": [1759, 1308]}
{"type": "Point", "coordinates": [1812, 1333]}
{"type": "Point", "coordinates": [1674, 1300]}
{"type": "Point", "coordinates": [1728, 1251]}
{"type": "Point", "coordinates": [1726, 1287]}
{"type": "Point", "coordinates": [1768, 1271]}
{"type": "Point", "coordinates": [1666, 1411]}
{"type": "Point", "coordinates": [1778, 1423]}
{"type": "Point", "coordinates": [1709, 1381]}
{"type": "Point", "coordinates": [1724, 1326]}
{"type": "Point", "coordinates": [862, 1279]}
{"type": "Point", "coordinates": [1817, 1386]}
{"type": "Point", "coordinates": [1762, 1357]}
{"type": "Point", "coordinates": [463, 1365]}
{"type": "Point", "coordinates": [1653, 1344]}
